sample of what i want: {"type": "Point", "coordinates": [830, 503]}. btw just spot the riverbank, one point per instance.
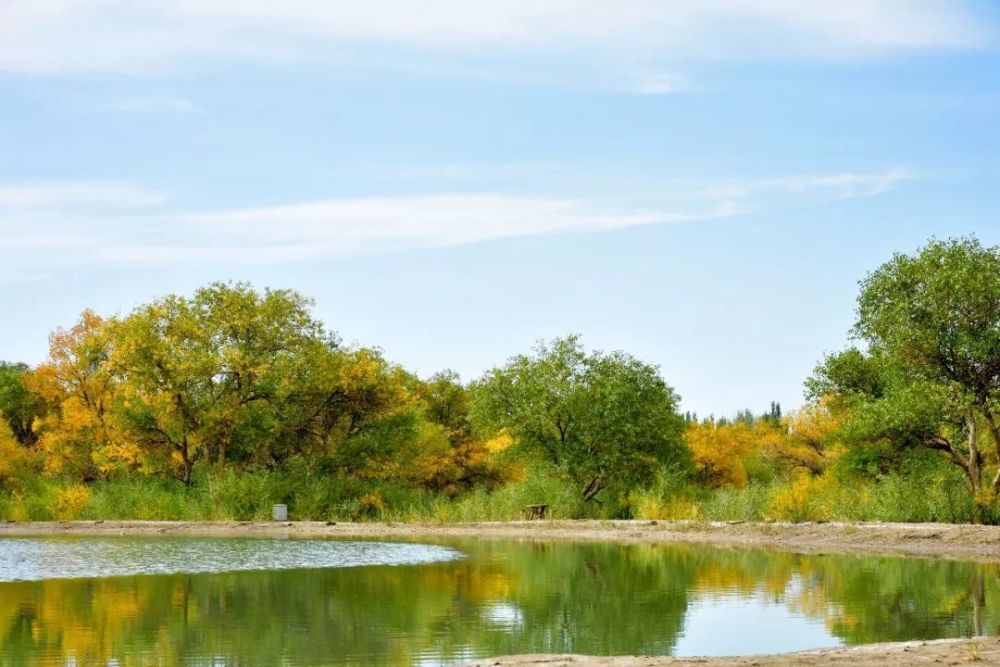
{"type": "Point", "coordinates": [980, 650]}
{"type": "Point", "coordinates": [960, 542]}
{"type": "Point", "coordinates": [963, 542]}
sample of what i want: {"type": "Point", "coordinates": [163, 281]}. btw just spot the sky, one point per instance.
{"type": "Point", "coordinates": [701, 183]}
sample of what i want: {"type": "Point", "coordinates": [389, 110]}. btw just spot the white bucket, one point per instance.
{"type": "Point", "coordinates": [280, 513]}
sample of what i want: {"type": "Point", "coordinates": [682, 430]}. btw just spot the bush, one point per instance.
{"type": "Point", "coordinates": [541, 485]}
{"type": "Point", "coordinates": [746, 504]}
{"type": "Point", "coordinates": [805, 499]}
{"type": "Point", "coordinates": [70, 502]}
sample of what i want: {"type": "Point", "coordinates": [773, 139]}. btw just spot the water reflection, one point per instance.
{"type": "Point", "coordinates": [505, 597]}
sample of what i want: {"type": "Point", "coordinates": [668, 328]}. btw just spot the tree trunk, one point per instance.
{"type": "Point", "coordinates": [187, 466]}
{"type": "Point", "coordinates": [991, 426]}
{"type": "Point", "coordinates": [974, 469]}
{"type": "Point", "coordinates": [593, 488]}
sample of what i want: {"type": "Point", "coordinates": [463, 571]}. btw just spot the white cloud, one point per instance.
{"type": "Point", "coordinates": [53, 195]}
{"type": "Point", "coordinates": [71, 223]}
{"type": "Point", "coordinates": [660, 84]}
{"type": "Point", "coordinates": [844, 185]}
{"type": "Point", "coordinates": [140, 35]}
{"type": "Point", "coordinates": [153, 103]}
{"type": "Point", "coordinates": [349, 226]}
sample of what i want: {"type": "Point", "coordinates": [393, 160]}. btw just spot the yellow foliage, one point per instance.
{"type": "Point", "coordinates": [370, 505]}
{"type": "Point", "coordinates": [502, 441]}
{"type": "Point", "coordinates": [721, 451]}
{"type": "Point", "coordinates": [648, 505]}
{"type": "Point", "coordinates": [17, 463]}
{"type": "Point", "coordinates": [807, 498]}
{"type": "Point", "coordinates": [808, 443]}
{"type": "Point", "coordinates": [18, 509]}
{"type": "Point", "coordinates": [69, 502]}
{"type": "Point", "coordinates": [77, 437]}
{"type": "Point", "coordinates": [453, 468]}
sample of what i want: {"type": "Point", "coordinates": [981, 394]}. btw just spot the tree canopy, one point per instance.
{"type": "Point", "coordinates": [930, 376]}
{"type": "Point", "coordinates": [606, 418]}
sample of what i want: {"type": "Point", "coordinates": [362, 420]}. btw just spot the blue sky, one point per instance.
{"type": "Point", "coordinates": [699, 183]}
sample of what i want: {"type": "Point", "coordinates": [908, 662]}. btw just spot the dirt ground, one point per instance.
{"type": "Point", "coordinates": [979, 651]}
{"type": "Point", "coordinates": [963, 542]}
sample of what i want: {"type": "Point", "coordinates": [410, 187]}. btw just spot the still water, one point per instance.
{"type": "Point", "coordinates": [171, 601]}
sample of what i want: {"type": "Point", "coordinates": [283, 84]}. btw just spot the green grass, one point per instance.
{"type": "Point", "coordinates": [919, 495]}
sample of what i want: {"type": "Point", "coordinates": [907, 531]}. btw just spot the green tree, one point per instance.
{"type": "Point", "coordinates": [607, 419]}
{"type": "Point", "coordinates": [19, 406]}
{"type": "Point", "coordinates": [447, 403]}
{"type": "Point", "coordinates": [931, 374]}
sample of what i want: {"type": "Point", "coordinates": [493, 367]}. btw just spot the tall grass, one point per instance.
{"type": "Point", "coordinates": [928, 494]}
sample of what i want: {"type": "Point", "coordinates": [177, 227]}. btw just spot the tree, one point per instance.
{"type": "Point", "coordinates": [19, 406]}
{"type": "Point", "coordinates": [209, 376]}
{"type": "Point", "coordinates": [883, 411]}
{"type": "Point", "coordinates": [79, 435]}
{"type": "Point", "coordinates": [354, 411]}
{"type": "Point", "coordinates": [607, 419]}
{"type": "Point", "coordinates": [931, 374]}
{"type": "Point", "coordinates": [720, 452]}
{"type": "Point", "coordinates": [447, 404]}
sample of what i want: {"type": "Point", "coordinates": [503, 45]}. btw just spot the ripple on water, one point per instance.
{"type": "Point", "coordinates": [34, 559]}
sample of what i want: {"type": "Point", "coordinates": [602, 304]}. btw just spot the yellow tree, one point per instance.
{"type": "Point", "coordinates": [721, 452]}
{"type": "Point", "coordinates": [17, 462]}
{"type": "Point", "coordinates": [78, 436]}
{"type": "Point", "coordinates": [809, 442]}
{"type": "Point", "coordinates": [210, 376]}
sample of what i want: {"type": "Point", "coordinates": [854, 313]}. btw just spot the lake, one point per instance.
{"type": "Point", "coordinates": [194, 601]}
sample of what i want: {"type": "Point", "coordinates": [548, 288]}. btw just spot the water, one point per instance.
{"type": "Point", "coordinates": [149, 601]}
{"type": "Point", "coordinates": [36, 559]}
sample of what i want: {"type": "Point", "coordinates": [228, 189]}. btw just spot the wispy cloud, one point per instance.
{"type": "Point", "coordinates": [153, 104]}
{"type": "Point", "coordinates": [58, 195]}
{"type": "Point", "coordinates": [661, 84]}
{"type": "Point", "coordinates": [60, 223]}
{"type": "Point", "coordinates": [59, 36]}
{"type": "Point", "coordinates": [843, 185]}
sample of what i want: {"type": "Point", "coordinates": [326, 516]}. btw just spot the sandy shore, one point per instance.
{"type": "Point", "coordinates": [982, 651]}
{"type": "Point", "coordinates": [964, 542]}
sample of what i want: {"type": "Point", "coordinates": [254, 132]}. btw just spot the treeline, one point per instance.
{"type": "Point", "coordinates": [218, 404]}
{"type": "Point", "coordinates": [231, 378]}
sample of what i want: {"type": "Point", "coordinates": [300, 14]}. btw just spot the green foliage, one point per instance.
{"type": "Point", "coordinates": [210, 376]}
{"type": "Point", "coordinates": [609, 420]}
{"type": "Point", "coordinates": [447, 404]}
{"type": "Point", "coordinates": [938, 313]}
{"type": "Point", "coordinates": [543, 484]}
{"type": "Point", "coordinates": [19, 406]}
{"type": "Point", "coordinates": [936, 316]}
{"type": "Point", "coordinates": [749, 503]}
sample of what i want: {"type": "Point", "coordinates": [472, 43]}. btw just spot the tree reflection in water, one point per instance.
{"type": "Point", "coordinates": [507, 597]}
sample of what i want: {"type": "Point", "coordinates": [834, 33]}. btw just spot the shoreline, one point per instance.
{"type": "Point", "coordinates": [945, 541]}
{"type": "Point", "coordinates": [976, 650]}
{"type": "Point", "coordinates": [949, 541]}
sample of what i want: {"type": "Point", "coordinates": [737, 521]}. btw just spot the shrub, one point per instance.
{"type": "Point", "coordinates": [746, 504]}
{"type": "Point", "coordinates": [69, 502]}
{"type": "Point", "coordinates": [799, 501]}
